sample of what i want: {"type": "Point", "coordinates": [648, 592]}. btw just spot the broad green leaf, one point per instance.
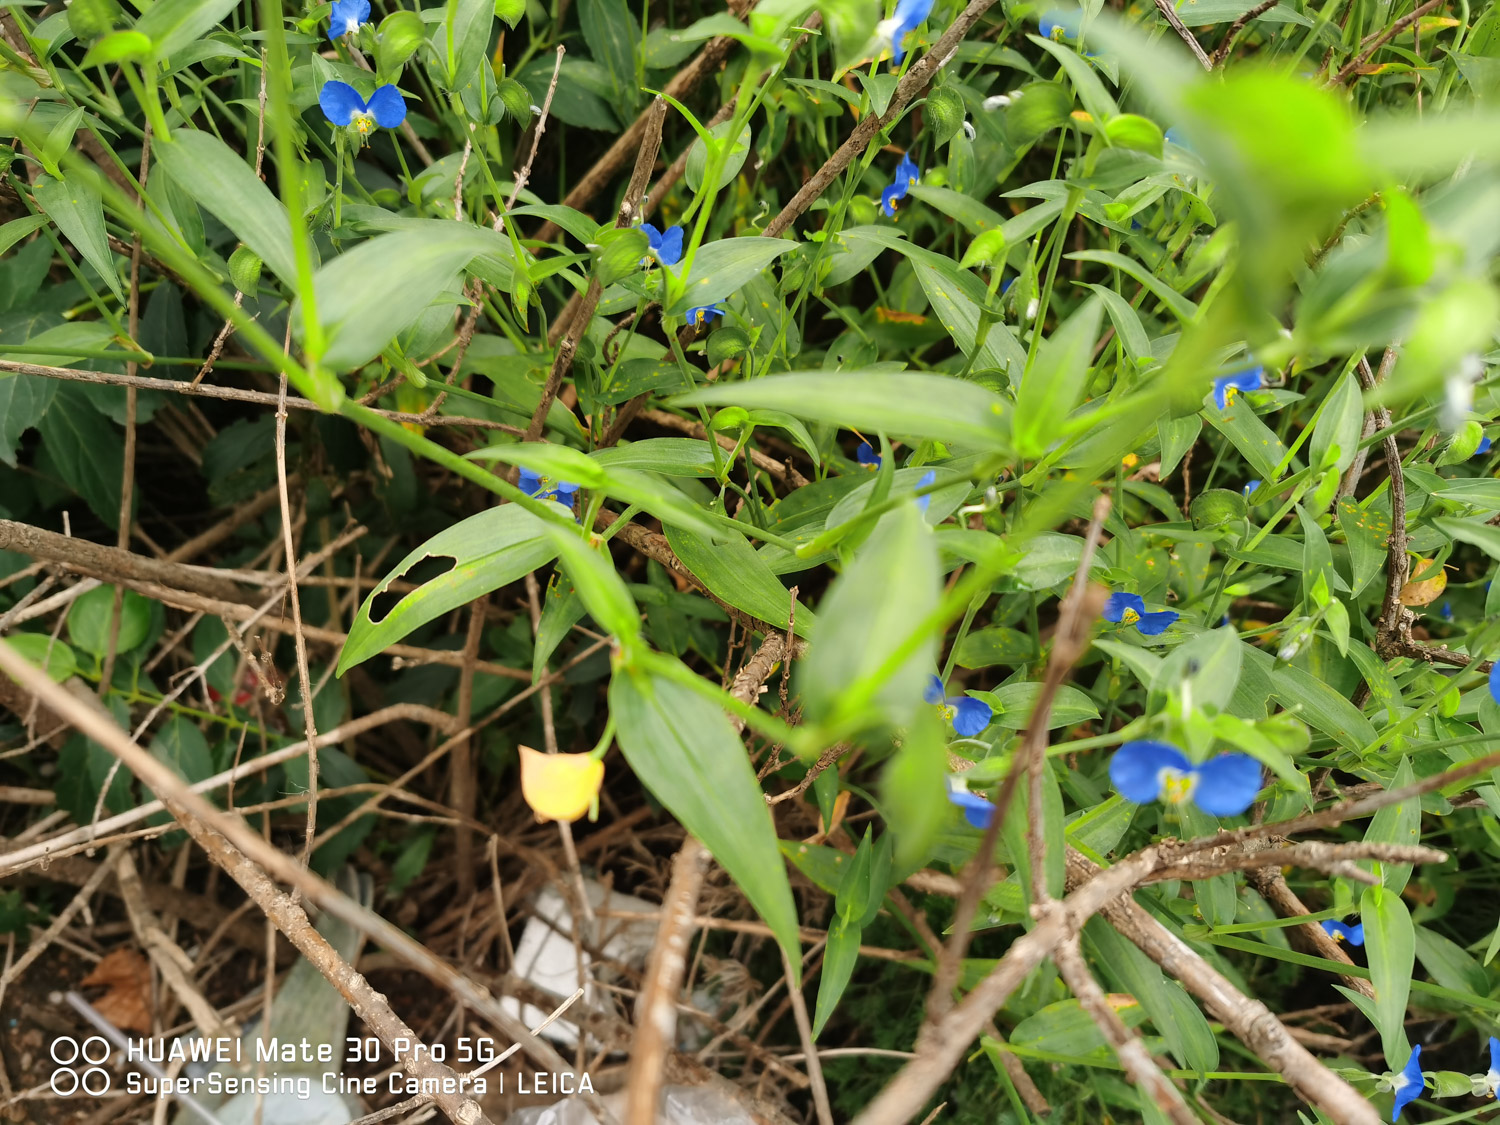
{"type": "Point", "coordinates": [984, 648]}
{"type": "Point", "coordinates": [1052, 386]}
{"type": "Point", "coordinates": [1481, 535]}
{"type": "Point", "coordinates": [371, 294]}
{"type": "Point", "coordinates": [1132, 335]}
{"type": "Point", "coordinates": [17, 229]}
{"type": "Point", "coordinates": [1366, 530]}
{"type": "Point", "coordinates": [1014, 704]}
{"type": "Point", "coordinates": [52, 655]}
{"type": "Point", "coordinates": [1256, 443]}
{"type": "Point", "coordinates": [220, 181]}
{"type": "Point", "coordinates": [1449, 963]}
{"type": "Point", "coordinates": [734, 572]}
{"type": "Point", "coordinates": [1209, 664]}
{"type": "Point", "coordinates": [481, 554]}
{"type": "Point", "coordinates": [464, 40]}
{"type": "Point", "coordinates": [1180, 306]}
{"type": "Point", "coordinates": [1391, 945]}
{"type": "Point", "coordinates": [181, 745]}
{"type": "Point", "coordinates": [1085, 79]}
{"type": "Point", "coordinates": [906, 405]}
{"type": "Point", "coordinates": [722, 267]}
{"type": "Point", "coordinates": [24, 399]}
{"type": "Point", "coordinates": [885, 594]}
{"type": "Point", "coordinates": [84, 450]}
{"type": "Point", "coordinates": [685, 751]}
{"type": "Point", "coordinates": [975, 217]}
{"type": "Point", "coordinates": [673, 457]}
{"type": "Point", "coordinates": [1479, 492]}
{"type": "Point", "coordinates": [1338, 426]}
{"type": "Point", "coordinates": [613, 36]}
{"type": "Point", "coordinates": [89, 616]}
{"type": "Point", "coordinates": [1316, 703]}
{"type": "Point", "coordinates": [1396, 824]}
{"type": "Point", "coordinates": [174, 24]}
{"type": "Point", "coordinates": [75, 207]}
{"type": "Point", "coordinates": [914, 791]}
{"type": "Point", "coordinates": [734, 160]}
{"type": "Point", "coordinates": [561, 610]}
{"type": "Point", "coordinates": [1064, 1028]}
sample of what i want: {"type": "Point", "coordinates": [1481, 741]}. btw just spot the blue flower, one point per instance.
{"type": "Point", "coordinates": [1129, 609]}
{"type": "Point", "coordinates": [907, 173]}
{"type": "Point", "coordinates": [1495, 681]}
{"type": "Point", "coordinates": [1482, 447]}
{"type": "Point", "coordinates": [1446, 613]}
{"type": "Point", "coordinates": [978, 811]}
{"type": "Point", "coordinates": [909, 15]}
{"type": "Point", "coordinates": [1354, 935]}
{"type": "Point", "coordinates": [1408, 1084]}
{"type": "Point", "coordinates": [666, 246]}
{"type": "Point", "coordinates": [969, 716]}
{"type": "Point", "coordinates": [1174, 136]}
{"type": "Point", "coordinates": [700, 315]}
{"type": "Point", "coordinates": [346, 17]}
{"type": "Point", "coordinates": [1492, 1078]}
{"type": "Point", "coordinates": [867, 456]}
{"type": "Point", "coordinates": [342, 105]}
{"type": "Point", "coordinates": [1150, 771]}
{"type": "Point", "coordinates": [1058, 25]}
{"type": "Point", "coordinates": [1250, 487]}
{"type": "Point", "coordinates": [1227, 386]}
{"type": "Point", "coordinates": [929, 477]}
{"type": "Point", "coordinates": [544, 487]}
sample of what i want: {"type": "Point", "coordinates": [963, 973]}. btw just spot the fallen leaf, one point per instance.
{"type": "Point", "coordinates": [126, 978]}
{"type": "Point", "coordinates": [1426, 591]}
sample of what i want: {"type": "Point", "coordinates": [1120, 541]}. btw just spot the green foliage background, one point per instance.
{"type": "Point", "coordinates": [1101, 228]}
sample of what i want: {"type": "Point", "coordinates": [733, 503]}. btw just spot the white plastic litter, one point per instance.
{"type": "Point", "coordinates": [681, 1105]}
{"type": "Point", "coordinates": [546, 957]}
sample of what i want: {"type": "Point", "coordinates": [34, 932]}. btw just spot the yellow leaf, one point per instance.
{"type": "Point", "coordinates": [1426, 591]}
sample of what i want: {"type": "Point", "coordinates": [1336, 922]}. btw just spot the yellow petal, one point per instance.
{"type": "Point", "coordinates": [560, 786]}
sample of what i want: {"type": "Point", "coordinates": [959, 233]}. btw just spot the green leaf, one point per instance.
{"type": "Point", "coordinates": [174, 24]}
{"type": "Point", "coordinates": [906, 405]}
{"type": "Point", "coordinates": [88, 621]}
{"type": "Point", "coordinates": [722, 267]}
{"type": "Point", "coordinates": [85, 450]}
{"type": "Point", "coordinates": [673, 457]}
{"type": "Point", "coordinates": [1391, 945]}
{"type": "Point", "coordinates": [984, 648]}
{"type": "Point", "coordinates": [1366, 530]}
{"type": "Point", "coordinates": [54, 656]}
{"type": "Point", "coordinates": [839, 958]}
{"type": "Point", "coordinates": [1256, 443]}
{"type": "Point", "coordinates": [24, 399]}
{"type": "Point", "coordinates": [613, 37]}
{"type": "Point", "coordinates": [1318, 705]}
{"type": "Point", "coordinates": [1481, 535]}
{"type": "Point", "coordinates": [619, 253]}
{"type": "Point", "coordinates": [685, 751]}
{"type": "Point", "coordinates": [602, 589]}
{"type": "Point", "coordinates": [17, 229]}
{"type": "Point", "coordinates": [735, 573]}
{"type": "Point", "coordinates": [1052, 386]}
{"type": "Point", "coordinates": [887, 593]}
{"type": "Point", "coordinates": [561, 610]}
{"type": "Point", "coordinates": [117, 47]}
{"type": "Point", "coordinates": [1396, 824]}
{"type": "Point", "coordinates": [481, 554]}
{"type": "Point", "coordinates": [465, 40]}
{"type": "Point", "coordinates": [1335, 438]}
{"type": "Point", "coordinates": [1014, 704]}
{"type": "Point", "coordinates": [734, 160]}
{"type": "Point", "coordinates": [914, 791]}
{"type": "Point", "coordinates": [220, 181]}
{"type": "Point", "coordinates": [1449, 964]}
{"type": "Point", "coordinates": [75, 207]}
{"type": "Point", "coordinates": [371, 294]}
{"type": "Point", "coordinates": [180, 745]}
{"type": "Point", "coordinates": [1085, 79]}
{"type": "Point", "coordinates": [1182, 308]}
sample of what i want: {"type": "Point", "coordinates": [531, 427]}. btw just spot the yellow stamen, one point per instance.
{"type": "Point", "coordinates": [1129, 617]}
{"type": "Point", "coordinates": [560, 786]}
{"type": "Point", "coordinates": [1130, 460]}
{"type": "Point", "coordinates": [1229, 393]}
{"type": "Point", "coordinates": [1176, 786]}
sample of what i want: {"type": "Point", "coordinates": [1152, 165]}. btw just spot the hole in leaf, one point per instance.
{"type": "Point", "coordinates": [418, 574]}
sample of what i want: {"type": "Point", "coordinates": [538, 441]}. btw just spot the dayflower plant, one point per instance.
{"type": "Point", "coordinates": [1338, 931]}
{"type": "Point", "coordinates": [1492, 1076]}
{"type": "Point", "coordinates": [1250, 487]}
{"type": "Point", "coordinates": [968, 716]}
{"type": "Point", "coordinates": [907, 173]}
{"type": "Point", "coordinates": [1146, 771]}
{"type": "Point", "coordinates": [544, 487]}
{"type": "Point", "coordinates": [666, 247]}
{"type": "Point", "coordinates": [1408, 1085]}
{"type": "Point", "coordinates": [909, 15]}
{"type": "Point", "coordinates": [346, 17]}
{"type": "Point", "coordinates": [867, 456]}
{"type": "Point", "coordinates": [699, 315]}
{"type": "Point", "coordinates": [1482, 447]}
{"type": "Point", "coordinates": [1239, 382]}
{"type": "Point", "coordinates": [560, 786]}
{"type": "Point", "coordinates": [1130, 609]}
{"type": "Point", "coordinates": [343, 106]}
{"type": "Point", "coordinates": [978, 811]}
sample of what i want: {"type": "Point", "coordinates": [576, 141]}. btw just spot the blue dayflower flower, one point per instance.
{"type": "Point", "coordinates": [978, 811]}
{"type": "Point", "coordinates": [1446, 613]}
{"type": "Point", "coordinates": [1157, 771]}
{"type": "Point", "coordinates": [867, 456]}
{"type": "Point", "coordinates": [1058, 25]}
{"type": "Point", "coordinates": [700, 315]}
{"type": "Point", "coordinates": [1250, 487]}
{"type": "Point", "coordinates": [1174, 136]}
{"type": "Point", "coordinates": [1492, 1077]}
{"type": "Point", "coordinates": [343, 106]}
{"type": "Point", "coordinates": [969, 716]}
{"type": "Point", "coordinates": [929, 477]}
{"type": "Point", "coordinates": [1408, 1084]}
{"type": "Point", "coordinates": [544, 487]}
{"type": "Point", "coordinates": [909, 15]}
{"type": "Point", "coordinates": [1482, 447]}
{"type": "Point", "coordinates": [1227, 386]}
{"type": "Point", "coordinates": [907, 173]}
{"type": "Point", "coordinates": [346, 17]}
{"type": "Point", "coordinates": [1495, 681]}
{"type": "Point", "coordinates": [666, 246]}
{"type": "Point", "coordinates": [1338, 931]}
{"type": "Point", "coordinates": [1129, 609]}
